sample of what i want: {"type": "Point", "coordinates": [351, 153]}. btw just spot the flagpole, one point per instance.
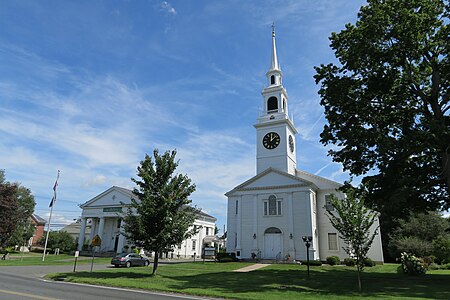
{"type": "Point", "coordinates": [50, 217]}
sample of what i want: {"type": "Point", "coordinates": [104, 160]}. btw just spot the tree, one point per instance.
{"type": "Point", "coordinates": [387, 104]}
{"type": "Point", "coordinates": [161, 217]}
{"type": "Point", "coordinates": [58, 239]}
{"type": "Point", "coordinates": [416, 234]}
{"type": "Point", "coordinates": [24, 229]}
{"type": "Point", "coordinates": [16, 207]}
{"type": "Point", "coordinates": [355, 224]}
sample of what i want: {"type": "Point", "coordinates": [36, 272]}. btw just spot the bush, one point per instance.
{"type": "Point", "coordinates": [434, 266]}
{"type": "Point", "coordinates": [412, 265]}
{"type": "Point", "coordinates": [316, 263]}
{"type": "Point", "coordinates": [441, 248]}
{"type": "Point", "coordinates": [225, 257]}
{"type": "Point", "coordinates": [445, 267]}
{"type": "Point", "coordinates": [333, 260]}
{"type": "Point", "coordinates": [410, 244]}
{"type": "Point", "coordinates": [368, 262]}
{"type": "Point", "coordinates": [350, 262]}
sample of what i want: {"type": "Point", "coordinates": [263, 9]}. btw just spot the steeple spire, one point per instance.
{"type": "Point", "coordinates": [275, 65]}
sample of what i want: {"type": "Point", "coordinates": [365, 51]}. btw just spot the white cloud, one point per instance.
{"type": "Point", "coordinates": [167, 7]}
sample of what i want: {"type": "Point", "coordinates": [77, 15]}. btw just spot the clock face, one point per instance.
{"type": "Point", "coordinates": [271, 140]}
{"type": "Point", "coordinates": [291, 143]}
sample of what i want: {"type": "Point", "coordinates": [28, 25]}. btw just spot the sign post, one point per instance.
{"type": "Point", "coordinates": [96, 242]}
{"type": "Point", "coordinates": [77, 253]}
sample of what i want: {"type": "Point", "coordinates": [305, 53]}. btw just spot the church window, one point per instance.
{"type": "Point", "coordinates": [179, 246]}
{"type": "Point", "coordinates": [328, 205]}
{"type": "Point", "coordinates": [119, 221]}
{"type": "Point", "coordinates": [272, 79]}
{"type": "Point", "coordinates": [284, 105]}
{"type": "Point", "coordinates": [272, 105]}
{"type": "Point", "coordinates": [193, 244]}
{"type": "Point", "coordinates": [332, 242]}
{"type": "Point", "coordinates": [237, 203]}
{"type": "Point", "coordinates": [207, 230]}
{"type": "Point", "coordinates": [272, 206]}
{"type": "Point", "coordinates": [272, 230]}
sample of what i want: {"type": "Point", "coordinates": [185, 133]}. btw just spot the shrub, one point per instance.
{"type": "Point", "coordinates": [368, 262]}
{"type": "Point", "coordinates": [316, 263]}
{"type": "Point", "coordinates": [409, 244]}
{"type": "Point", "coordinates": [446, 266]}
{"type": "Point", "coordinates": [412, 265]}
{"type": "Point", "coordinates": [225, 257]}
{"type": "Point", "coordinates": [333, 260]}
{"type": "Point", "coordinates": [441, 248]}
{"type": "Point", "coordinates": [434, 266]}
{"type": "Point", "coordinates": [350, 262]}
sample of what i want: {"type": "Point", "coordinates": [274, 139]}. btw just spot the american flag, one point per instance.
{"type": "Point", "coordinates": [54, 191]}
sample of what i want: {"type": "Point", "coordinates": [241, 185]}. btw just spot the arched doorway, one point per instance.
{"type": "Point", "coordinates": [272, 242]}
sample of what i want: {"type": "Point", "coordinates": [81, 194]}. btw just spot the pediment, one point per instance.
{"type": "Point", "coordinates": [272, 179]}
{"type": "Point", "coordinates": [114, 196]}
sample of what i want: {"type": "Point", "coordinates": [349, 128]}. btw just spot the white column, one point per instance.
{"type": "Point", "coordinates": [238, 227]}
{"type": "Point", "coordinates": [82, 232]}
{"type": "Point", "coordinates": [93, 227]}
{"type": "Point", "coordinates": [100, 230]}
{"type": "Point", "coordinates": [121, 241]}
{"type": "Point", "coordinates": [291, 225]}
{"type": "Point", "coordinates": [255, 223]}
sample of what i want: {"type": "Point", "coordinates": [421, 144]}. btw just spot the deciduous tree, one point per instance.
{"type": "Point", "coordinates": [161, 217]}
{"type": "Point", "coordinates": [387, 103]}
{"type": "Point", "coordinates": [355, 224]}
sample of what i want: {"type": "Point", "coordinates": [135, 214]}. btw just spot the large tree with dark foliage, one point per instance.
{"type": "Point", "coordinates": [162, 216]}
{"type": "Point", "coordinates": [16, 206]}
{"type": "Point", "coordinates": [387, 104]}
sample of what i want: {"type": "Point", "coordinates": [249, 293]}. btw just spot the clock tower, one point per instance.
{"type": "Point", "coordinates": [275, 131]}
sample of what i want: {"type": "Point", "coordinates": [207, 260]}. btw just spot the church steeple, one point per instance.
{"type": "Point", "coordinates": [274, 129]}
{"type": "Point", "coordinates": [274, 74]}
{"type": "Point", "coordinates": [275, 65]}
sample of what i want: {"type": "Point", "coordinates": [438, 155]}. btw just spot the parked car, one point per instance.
{"type": "Point", "coordinates": [129, 259]}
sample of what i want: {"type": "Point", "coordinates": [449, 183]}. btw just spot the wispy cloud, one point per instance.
{"type": "Point", "coordinates": [167, 7]}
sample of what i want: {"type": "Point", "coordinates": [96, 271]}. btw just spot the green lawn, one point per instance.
{"type": "Point", "coordinates": [273, 282]}
{"type": "Point", "coordinates": [35, 259]}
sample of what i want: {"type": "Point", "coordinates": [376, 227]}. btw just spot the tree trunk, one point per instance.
{"type": "Point", "coordinates": [155, 263]}
{"type": "Point", "coordinates": [446, 166]}
{"type": "Point", "coordinates": [359, 278]}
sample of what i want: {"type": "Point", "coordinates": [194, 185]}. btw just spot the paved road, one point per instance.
{"type": "Point", "coordinates": [26, 283]}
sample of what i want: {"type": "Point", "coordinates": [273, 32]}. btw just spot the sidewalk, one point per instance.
{"type": "Point", "coordinates": [251, 268]}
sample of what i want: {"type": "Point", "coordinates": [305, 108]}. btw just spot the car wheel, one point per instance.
{"type": "Point", "coordinates": [128, 264]}
{"type": "Point", "coordinates": [146, 263]}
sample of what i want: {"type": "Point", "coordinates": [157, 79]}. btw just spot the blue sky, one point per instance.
{"type": "Point", "coordinates": [89, 87]}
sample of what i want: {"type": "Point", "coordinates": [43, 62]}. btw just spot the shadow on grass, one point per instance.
{"type": "Point", "coordinates": [336, 281]}
{"type": "Point", "coordinates": [276, 282]}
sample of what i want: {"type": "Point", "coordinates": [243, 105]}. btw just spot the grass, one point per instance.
{"type": "Point", "coordinates": [273, 282]}
{"type": "Point", "coordinates": [35, 259]}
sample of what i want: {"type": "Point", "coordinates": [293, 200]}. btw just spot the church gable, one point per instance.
{"type": "Point", "coordinates": [114, 196]}
{"type": "Point", "coordinates": [270, 179]}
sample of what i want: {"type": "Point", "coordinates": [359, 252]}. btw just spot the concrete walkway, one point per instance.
{"type": "Point", "coordinates": [251, 268]}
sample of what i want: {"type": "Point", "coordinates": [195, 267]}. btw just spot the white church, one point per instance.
{"type": "Point", "coordinates": [270, 213]}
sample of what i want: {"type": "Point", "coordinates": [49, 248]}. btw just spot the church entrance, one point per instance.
{"type": "Point", "coordinates": [272, 242]}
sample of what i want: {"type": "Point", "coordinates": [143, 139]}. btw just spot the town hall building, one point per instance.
{"type": "Point", "coordinates": [105, 214]}
{"type": "Point", "coordinates": [270, 213]}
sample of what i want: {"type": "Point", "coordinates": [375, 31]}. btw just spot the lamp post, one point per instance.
{"type": "Point", "coordinates": [307, 240]}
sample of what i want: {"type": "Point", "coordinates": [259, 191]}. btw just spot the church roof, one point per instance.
{"type": "Point", "coordinates": [289, 181]}
{"type": "Point", "coordinates": [318, 180]}
{"type": "Point", "coordinates": [129, 193]}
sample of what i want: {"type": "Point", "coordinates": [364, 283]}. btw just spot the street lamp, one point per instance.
{"type": "Point", "coordinates": [307, 240]}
